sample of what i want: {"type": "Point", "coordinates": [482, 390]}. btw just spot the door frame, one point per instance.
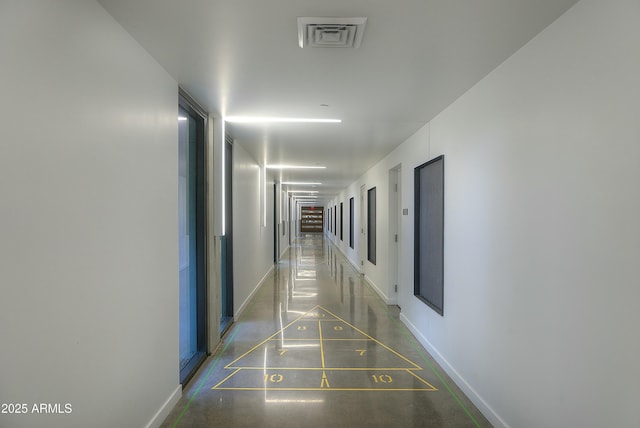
{"type": "Point", "coordinates": [362, 244]}
{"type": "Point", "coordinates": [394, 233]}
{"type": "Point", "coordinates": [192, 108]}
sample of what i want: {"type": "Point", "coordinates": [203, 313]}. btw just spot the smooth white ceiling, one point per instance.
{"type": "Point", "coordinates": [241, 58]}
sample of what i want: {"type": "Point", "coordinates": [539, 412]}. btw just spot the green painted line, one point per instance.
{"type": "Point", "coordinates": [204, 379]}
{"type": "Point", "coordinates": [397, 322]}
{"type": "Point", "coordinates": [418, 348]}
{"type": "Point", "coordinates": [433, 369]}
{"type": "Point", "coordinates": [413, 342]}
{"type": "Point", "coordinates": [235, 328]}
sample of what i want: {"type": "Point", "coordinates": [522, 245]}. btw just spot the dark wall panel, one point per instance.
{"type": "Point", "coordinates": [429, 233]}
{"type": "Point", "coordinates": [371, 225]}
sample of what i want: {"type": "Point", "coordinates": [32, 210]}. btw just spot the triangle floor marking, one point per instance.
{"type": "Point", "coordinates": [311, 340]}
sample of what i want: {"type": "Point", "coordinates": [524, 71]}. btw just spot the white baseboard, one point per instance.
{"type": "Point", "coordinates": [244, 304]}
{"type": "Point", "coordinates": [351, 262]}
{"type": "Point", "coordinates": [384, 297]}
{"type": "Point", "coordinates": [477, 400]}
{"type": "Point", "coordinates": [284, 252]}
{"type": "Point", "coordinates": [373, 285]}
{"type": "Point", "coordinates": [166, 408]}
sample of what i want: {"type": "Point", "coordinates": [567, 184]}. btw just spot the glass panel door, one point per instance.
{"type": "Point", "coordinates": [192, 235]}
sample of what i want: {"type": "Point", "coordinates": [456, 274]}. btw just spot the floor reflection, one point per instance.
{"type": "Point", "coordinates": [317, 347]}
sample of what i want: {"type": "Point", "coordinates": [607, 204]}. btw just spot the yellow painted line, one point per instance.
{"type": "Point", "coordinates": [225, 379]}
{"type": "Point", "coordinates": [264, 341]}
{"type": "Point", "coordinates": [377, 341]}
{"type": "Point", "coordinates": [396, 369]}
{"type": "Point", "coordinates": [325, 389]}
{"type": "Point", "coordinates": [422, 380]}
{"type": "Point", "coordinates": [324, 381]}
{"type": "Point", "coordinates": [321, 347]}
{"type": "Point", "coordinates": [313, 340]}
{"type": "Point", "coordinates": [298, 339]}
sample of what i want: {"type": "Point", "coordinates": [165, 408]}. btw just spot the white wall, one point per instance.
{"type": "Point", "coordinates": [252, 241]}
{"type": "Point", "coordinates": [541, 230]}
{"type": "Point", "coordinates": [410, 154]}
{"type": "Point", "coordinates": [351, 253]}
{"type": "Point", "coordinates": [88, 209]}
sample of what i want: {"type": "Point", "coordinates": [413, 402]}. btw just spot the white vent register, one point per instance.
{"type": "Point", "coordinates": [330, 32]}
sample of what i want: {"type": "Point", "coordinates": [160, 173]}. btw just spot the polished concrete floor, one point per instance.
{"type": "Point", "coordinates": [316, 347]}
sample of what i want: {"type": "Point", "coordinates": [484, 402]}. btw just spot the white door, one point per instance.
{"type": "Point", "coordinates": [394, 208]}
{"type": "Point", "coordinates": [362, 245]}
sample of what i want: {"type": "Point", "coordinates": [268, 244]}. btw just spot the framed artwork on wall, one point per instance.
{"type": "Point", "coordinates": [351, 218]}
{"type": "Point", "coordinates": [371, 225]}
{"type": "Point", "coordinates": [341, 222]}
{"type": "Point", "coordinates": [429, 234]}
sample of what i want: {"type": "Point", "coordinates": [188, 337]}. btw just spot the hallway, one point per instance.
{"type": "Point", "coordinates": [317, 347]}
{"type": "Point", "coordinates": [120, 115]}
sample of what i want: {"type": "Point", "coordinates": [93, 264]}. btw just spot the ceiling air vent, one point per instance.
{"type": "Point", "coordinates": [330, 32]}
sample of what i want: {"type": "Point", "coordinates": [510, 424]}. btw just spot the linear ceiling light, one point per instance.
{"type": "Point", "coordinates": [302, 191]}
{"type": "Point", "coordinates": [259, 119]}
{"type": "Point", "coordinates": [300, 183]}
{"type": "Point", "coordinates": [294, 167]}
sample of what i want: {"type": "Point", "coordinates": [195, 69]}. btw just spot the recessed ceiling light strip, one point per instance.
{"type": "Point", "coordinates": [300, 183]}
{"type": "Point", "coordinates": [295, 167]}
{"type": "Point", "coordinates": [259, 119]}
